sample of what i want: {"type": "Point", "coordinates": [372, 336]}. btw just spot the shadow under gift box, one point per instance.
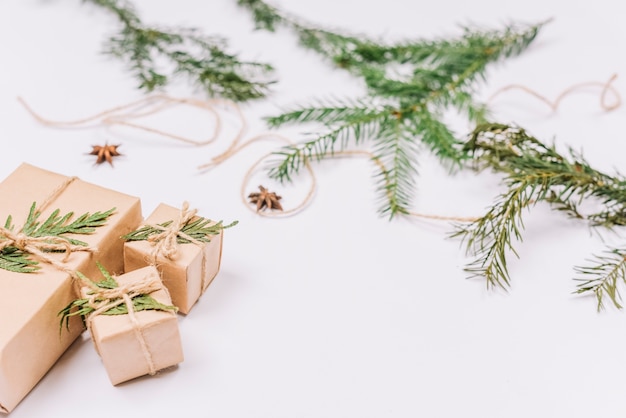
{"type": "Point", "coordinates": [30, 341]}
{"type": "Point", "coordinates": [189, 274]}
{"type": "Point", "coordinates": [118, 344]}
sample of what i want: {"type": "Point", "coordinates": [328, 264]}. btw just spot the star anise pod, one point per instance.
{"type": "Point", "coordinates": [265, 200]}
{"type": "Point", "coordinates": [105, 153]}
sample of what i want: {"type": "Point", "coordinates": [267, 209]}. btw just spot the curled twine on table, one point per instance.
{"type": "Point", "coordinates": [607, 87]}
{"type": "Point", "coordinates": [166, 243]}
{"type": "Point", "coordinates": [115, 116]}
{"type": "Point", "coordinates": [124, 114]}
{"type": "Point", "coordinates": [37, 246]}
{"type": "Point", "coordinates": [102, 300]}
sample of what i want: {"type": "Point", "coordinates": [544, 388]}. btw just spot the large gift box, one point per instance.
{"type": "Point", "coordinates": [144, 338]}
{"type": "Point", "coordinates": [189, 271]}
{"type": "Point", "coordinates": [30, 339]}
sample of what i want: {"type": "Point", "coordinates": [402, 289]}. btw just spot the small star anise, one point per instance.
{"type": "Point", "coordinates": [265, 200]}
{"type": "Point", "coordinates": [105, 153]}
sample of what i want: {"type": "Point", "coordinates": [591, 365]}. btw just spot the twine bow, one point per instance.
{"type": "Point", "coordinates": [166, 242]}
{"type": "Point", "coordinates": [102, 300]}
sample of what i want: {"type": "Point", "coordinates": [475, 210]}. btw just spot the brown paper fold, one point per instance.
{"type": "Point", "coordinates": [185, 276]}
{"type": "Point", "coordinates": [30, 342]}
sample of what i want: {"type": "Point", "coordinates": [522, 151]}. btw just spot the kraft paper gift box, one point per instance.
{"type": "Point", "coordinates": [30, 341]}
{"type": "Point", "coordinates": [142, 344]}
{"type": "Point", "coordinates": [189, 273]}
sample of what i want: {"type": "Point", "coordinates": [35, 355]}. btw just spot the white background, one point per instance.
{"type": "Point", "coordinates": [337, 312]}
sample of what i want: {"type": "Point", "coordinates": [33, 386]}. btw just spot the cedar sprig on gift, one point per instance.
{"type": "Point", "coordinates": [56, 225]}
{"type": "Point", "coordinates": [202, 59]}
{"type": "Point", "coordinates": [538, 173]}
{"type": "Point", "coordinates": [200, 229]}
{"type": "Point", "coordinates": [402, 113]}
{"type": "Point", "coordinates": [84, 307]}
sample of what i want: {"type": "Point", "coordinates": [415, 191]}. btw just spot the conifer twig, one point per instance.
{"type": "Point", "coordinates": [537, 173]}
{"type": "Point", "coordinates": [202, 59]}
{"type": "Point", "coordinates": [402, 113]}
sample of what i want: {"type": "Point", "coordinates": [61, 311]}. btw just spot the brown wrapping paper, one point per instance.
{"type": "Point", "coordinates": [30, 342]}
{"type": "Point", "coordinates": [119, 346]}
{"type": "Point", "coordinates": [182, 276]}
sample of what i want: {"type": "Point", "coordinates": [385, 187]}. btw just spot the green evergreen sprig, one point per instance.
{"type": "Point", "coordinates": [56, 225]}
{"type": "Point", "coordinates": [402, 113]}
{"type": "Point", "coordinates": [83, 308]}
{"type": "Point", "coordinates": [200, 229]}
{"type": "Point", "coordinates": [202, 59]}
{"type": "Point", "coordinates": [535, 173]}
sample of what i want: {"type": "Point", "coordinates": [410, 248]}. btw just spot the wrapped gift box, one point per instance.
{"type": "Point", "coordinates": [151, 342]}
{"type": "Point", "coordinates": [30, 341]}
{"type": "Point", "coordinates": [189, 273]}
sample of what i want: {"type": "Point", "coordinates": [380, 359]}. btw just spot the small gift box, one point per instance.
{"type": "Point", "coordinates": [52, 225]}
{"type": "Point", "coordinates": [186, 249]}
{"type": "Point", "coordinates": [132, 322]}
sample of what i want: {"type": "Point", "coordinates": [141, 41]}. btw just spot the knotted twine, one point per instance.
{"type": "Point", "coordinates": [103, 299]}
{"type": "Point", "coordinates": [166, 243]}
{"type": "Point", "coordinates": [37, 246]}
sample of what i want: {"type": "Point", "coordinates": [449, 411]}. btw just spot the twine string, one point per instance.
{"type": "Point", "coordinates": [124, 115]}
{"type": "Point", "coordinates": [607, 87]}
{"type": "Point", "coordinates": [167, 240]}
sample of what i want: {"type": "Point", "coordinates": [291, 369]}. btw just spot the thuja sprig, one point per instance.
{"type": "Point", "coordinates": [56, 225]}
{"type": "Point", "coordinates": [83, 307]}
{"type": "Point", "coordinates": [200, 229]}
{"type": "Point", "coordinates": [202, 59]}
{"type": "Point", "coordinates": [402, 113]}
{"type": "Point", "coordinates": [535, 172]}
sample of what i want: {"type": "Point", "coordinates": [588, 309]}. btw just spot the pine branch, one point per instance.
{"type": "Point", "coordinates": [198, 57]}
{"type": "Point", "coordinates": [604, 277]}
{"type": "Point", "coordinates": [534, 173]}
{"type": "Point", "coordinates": [17, 260]}
{"type": "Point", "coordinates": [83, 308]}
{"type": "Point", "coordinates": [200, 229]}
{"type": "Point", "coordinates": [440, 75]}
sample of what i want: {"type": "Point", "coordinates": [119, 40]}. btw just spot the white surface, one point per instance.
{"type": "Point", "coordinates": [337, 312]}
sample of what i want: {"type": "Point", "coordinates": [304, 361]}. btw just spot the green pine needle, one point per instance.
{"type": "Point", "coordinates": [198, 57]}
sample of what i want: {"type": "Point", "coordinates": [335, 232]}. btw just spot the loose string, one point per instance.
{"type": "Point", "coordinates": [124, 114]}
{"type": "Point", "coordinates": [102, 300]}
{"type": "Point", "coordinates": [38, 246]}
{"type": "Point", "coordinates": [607, 87]}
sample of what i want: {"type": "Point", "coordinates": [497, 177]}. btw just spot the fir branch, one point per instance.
{"type": "Point", "coordinates": [200, 229]}
{"type": "Point", "coordinates": [442, 75]}
{"type": "Point", "coordinates": [83, 307]}
{"type": "Point", "coordinates": [534, 173]}
{"type": "Point", "coordinates": [604, 277]}
{"type": "Point", "coordinates": [200, 58]}
{"type": "Point", "coordinates": [56, 225]}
